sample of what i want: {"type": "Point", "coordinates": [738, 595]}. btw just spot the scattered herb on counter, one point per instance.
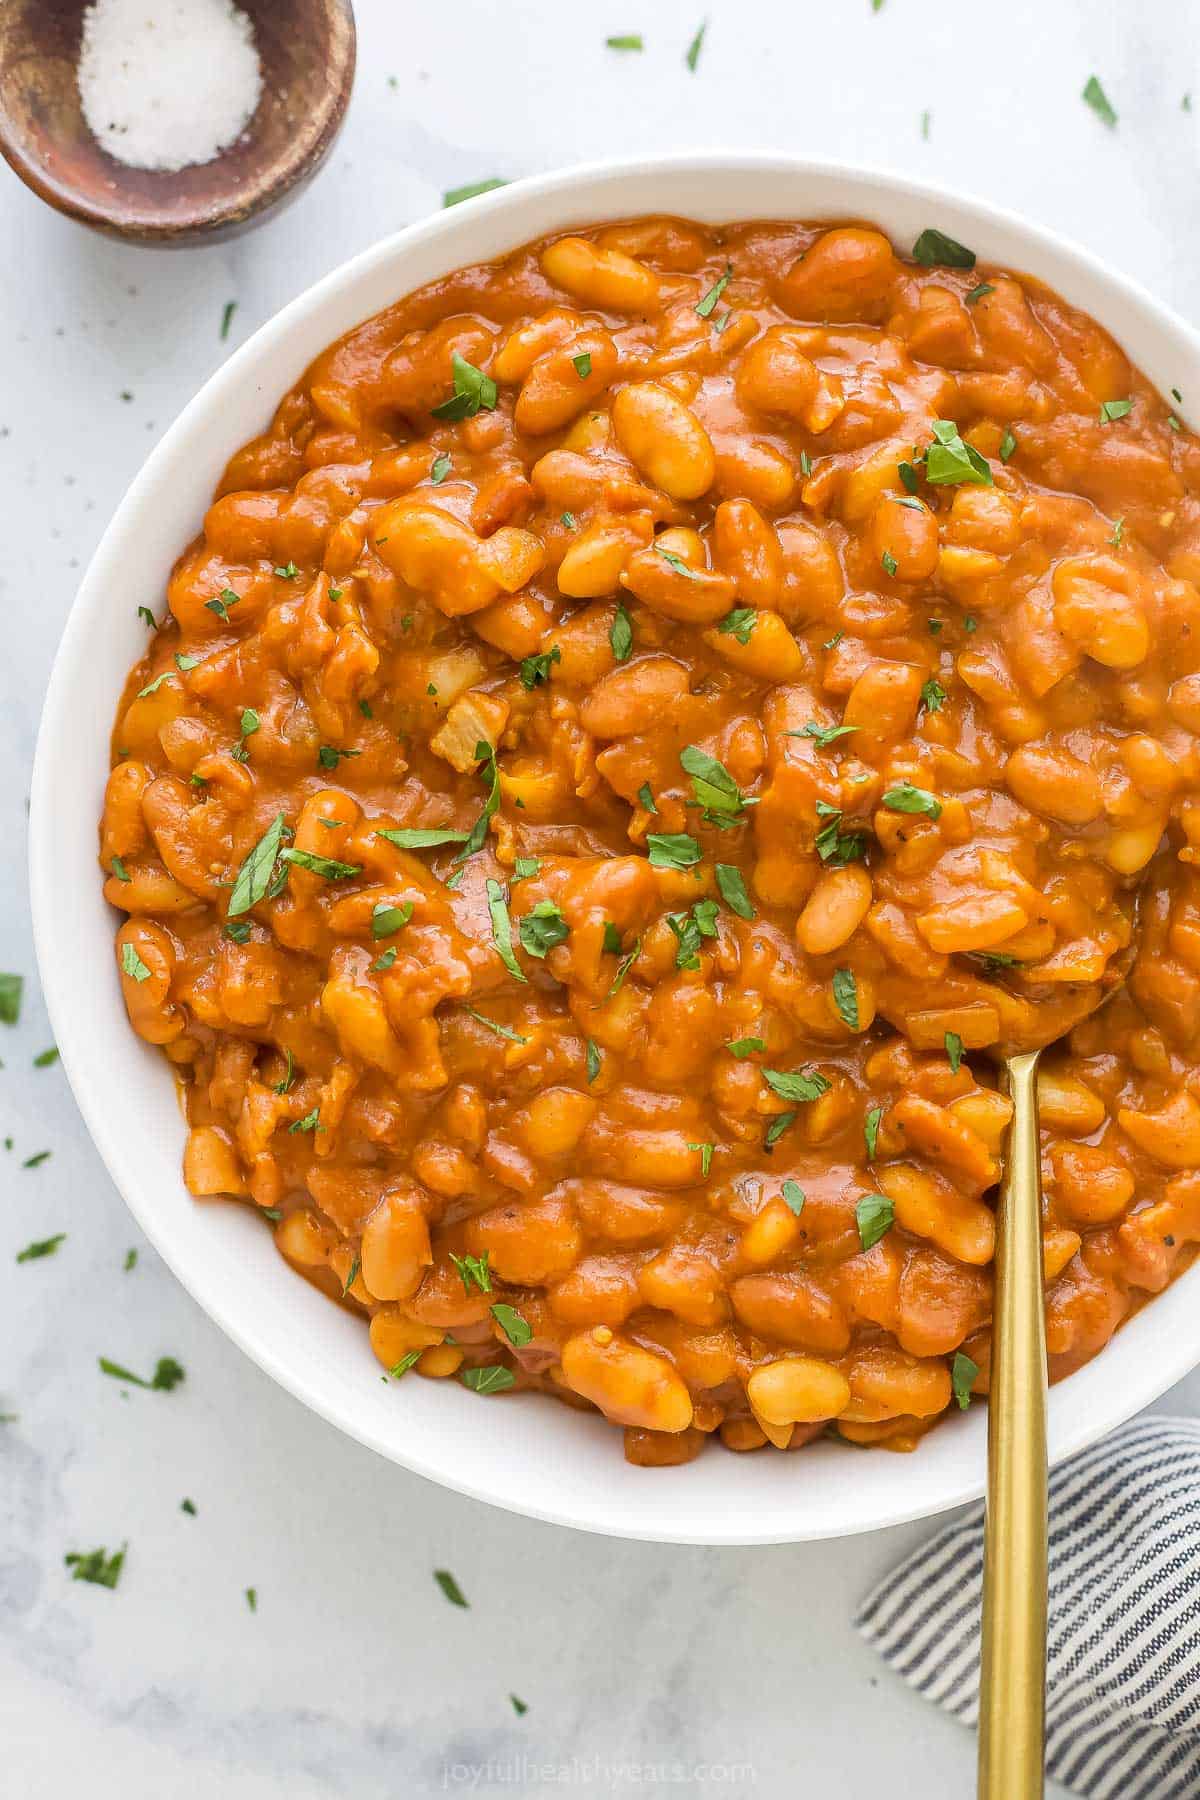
{"type": "Point", "coordinates": [227, 313]}
{"type": "Point", "coordinates": [96, 1566]}
{"type": "Point", "coordinates": [41, 1247]}
{"type": "Point", "coordinates": [11, 987]}
{"type": "Point", "coordinates": [450, 1587]}
{"type": "Point", "coordinates": [167, 1374]}
{"type": "Point", "coordinates": [1095, 97]}
{"type": "Point", "coordinates": [455, 196]}
{"type": "Point", "coordinates": [45, 1058]}
{"type": "Point", "coordinates": [695, 47]}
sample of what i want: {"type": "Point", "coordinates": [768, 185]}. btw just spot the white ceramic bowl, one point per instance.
{"type": "Point", "coordinates": [530, 1455]}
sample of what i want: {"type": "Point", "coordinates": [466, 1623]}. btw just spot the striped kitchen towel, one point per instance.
{"type": "Point", "coordinates": [1123, 1682]}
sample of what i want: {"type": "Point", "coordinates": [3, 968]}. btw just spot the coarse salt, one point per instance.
{"type": "Point", "coordinates": [167, 83]}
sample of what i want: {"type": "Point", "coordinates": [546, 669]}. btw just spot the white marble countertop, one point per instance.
{"type": "Point", "coordinates": [355, 1677]}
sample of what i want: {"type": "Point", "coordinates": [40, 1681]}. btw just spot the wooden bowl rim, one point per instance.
{"type": "Point", "coordinates": [216, 216]}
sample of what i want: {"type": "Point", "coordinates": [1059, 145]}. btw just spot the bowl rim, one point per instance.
{"type": "Point", "coordinates": [715, 1523]}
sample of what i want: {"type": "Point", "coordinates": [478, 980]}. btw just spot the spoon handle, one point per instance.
{"type": "Point", "coordinates": [1013, 1668]}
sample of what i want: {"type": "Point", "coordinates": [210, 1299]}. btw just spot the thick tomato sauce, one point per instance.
{"type": "Point", "coordinates": [776, 662]}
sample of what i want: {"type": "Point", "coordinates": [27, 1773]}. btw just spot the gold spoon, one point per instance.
{"type": "Point", "coordinates": [1012, 1677]}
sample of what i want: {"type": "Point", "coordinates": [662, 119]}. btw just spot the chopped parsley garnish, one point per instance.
{"type": "Point", "coordinates": [517, 1330]}
{"type": "Point", "coordinates": [1118, 533]}
{"type": "Point", "coordinates": [732, 888]}
{"type": "Point", "coordinates": [473, 1272]}
{"type": "Point", "coordinates": [525, 867]}
{"type": "Point", "coordinates": [1095, 97]}
{"type": "Point", "coordinates": [630, 40]}
{"type": "Point", "coordinates": [450, 1587]}
{"type": "Point", "coordinates": [646, 798]}
{"type": "Point", "coordinates": [543, 928]}
{"type": "Point", "coordinates": [288, 572]}
{"type": "Point", "coordinates": [935, 249]}
{"type": "Point", "coordinates": [822, 735]}
{"type": "Point", "coordinates": [492, 1378]}
{"type": "Point", "coordinates": [796, 1084]}
{"type": "Point", "coordinates": [695, 47]}
{"type": "Point", "coordinates": [11, 989]}
{"type": "Point", "coordinates": [167, 1374]}
{"type": "Point", "coordinates": [147, 617]}
{"type": "Point", "coordinates": [485, 756]}
{"type": "Point", "coordinates": [537, 668]}
{"type": "Point", "coordinates": [963, 1373]}
{"type": "Point", "coordinates": [873, 1215]}
{"type": "Point", "coordinates": [310, 1122]}
{"type": "Point", "coordinates": [739, 623]}
{"type": "Point", "coordinates": [352, 1277]}
{"type": "Point", "coordinates": [41, 1247]}
{"type": "Point", "coordinates": [706, 306]}
{"type": "Point", "coordinates": [387, 919]}
{"type": "Point", "coordinates": [712, 785]}
{"type": "Point", "coordinates": [845, 996]}
{"type": "Point", "coordinates": [473, 391]}
{"type": "Point", "coordinates": [741, 1047]}
{"type": "Point", "coordinates": [455, 196]}
{"type": "Point", "coordinates": [403, 1366]}
{"type": "Point", "coordinates": [593, 1060]}
{"type": "Point", "coordinates": [119, 869]}
{"type": "Point", "coordinates": [439, 468]}
{"type": "Point", "coordinates": [132, 964]}
{"type": "Point", "coordinates": [672, 850]}
{"type": "Point", "coordinates": [834, 846]}
{"type": "Point", "coordinates": [329, 755]}
{"type": "Point", "coordinates": [327, 867]}
{"type": "Point", "coordinates": [905, 798]}
{"type": "Point", "coordinates": [626, 963]}
{"type": "Point", "coordinates": [706, 1156]}
{"type": "Point", "coordinates": [582, 365]}
{"type": "Point", "coordinates": [871, 1130]}
{"type": "Point", "coordinates": [794, 1196]}
{"type": "Point", "coordinates": [909, 479]}
{"type": "Point", "coordinates": [677, 563]}
{"type": "Point", "coordinates": [254, 876]}
{"type": "Point", "coordinates": [979, 293]}
{"type": "Point", "coordinates": [933, 695]}
{"type": "Point", "coordinates": [950, 462]}
{"type": "Point", "coordinates": [222, 603]}
{"type": "Point", "coordinates": [690, 928]}
{"type": "Point", "coordinates": [1114, 409]}
{"type": "Point", "coordinates": [248, 725]}
{"type": "Point", "coordinates": [568, 519]}
{"type": "Point", "coordinates": [289, 1075]}
{"type": "Point", "coordinates": [422, 837]}
{"type": "Point", "coordinates": [776, 1129]}
{"type": "Point", "coordinates": [888, 563]}
{"type": "Point", "coordinates": [96, 1566]}
{"type": "Point", "coordinates": [620, 633]}
{"type": "Point", "coordinates": [954, 1050]}
{"type": "Point", "coordinates": [514, 1037]}
{"type": "Point", "coordinates": [502, 930]}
